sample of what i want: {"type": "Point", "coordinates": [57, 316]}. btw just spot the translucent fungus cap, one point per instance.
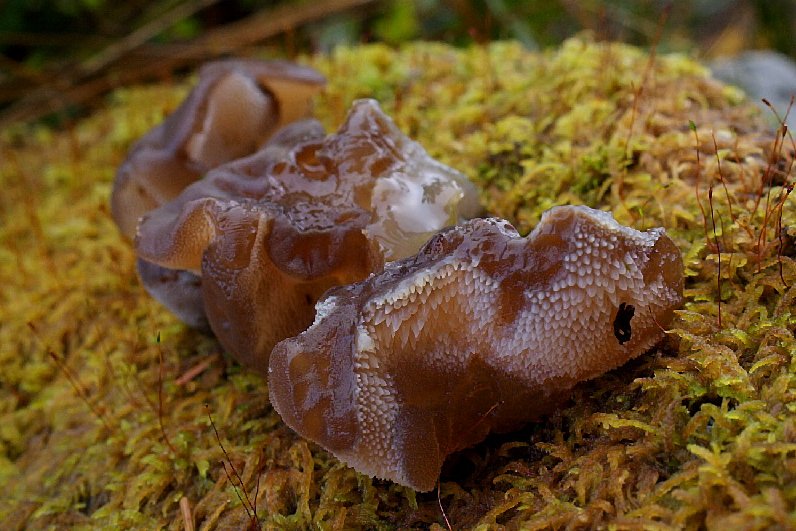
{"type": "Point", "coordinates": [236, 105]}
{"type": "Point", "coordinates": [271, 232]}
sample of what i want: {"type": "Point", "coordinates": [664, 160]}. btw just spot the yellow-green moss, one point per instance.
{"type": "Point", "coordinates": [700, 432]}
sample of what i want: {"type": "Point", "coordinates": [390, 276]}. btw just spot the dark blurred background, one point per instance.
{"type": "Point", "coordinates": [59, 57]}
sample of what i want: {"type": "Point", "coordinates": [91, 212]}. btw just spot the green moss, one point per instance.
{"type": "Point", "coordinates": [701, 432]}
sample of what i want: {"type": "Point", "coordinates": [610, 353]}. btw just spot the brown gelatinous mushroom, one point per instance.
{"type": "Point", "coordinates": [270, 233]}
{"type": "Point", "coordinates": [236, 105]}
{"type": "Point", "coordinates": [481, 330]}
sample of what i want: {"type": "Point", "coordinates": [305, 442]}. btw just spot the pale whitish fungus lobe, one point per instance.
{"type": "Point", "coordinates": [270, 233]}
{"type": "Point", "coordinates": [234, 108]}
{"type": "Point", "coordinates": [481, 330]}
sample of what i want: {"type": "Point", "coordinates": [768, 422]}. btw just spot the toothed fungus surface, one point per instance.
{"type": "Point", "coordinates": [481, 330]}
{"type": "Point", "coordinates": [699, 433]}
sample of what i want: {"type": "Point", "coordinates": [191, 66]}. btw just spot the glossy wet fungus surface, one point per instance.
{"type": "Point", "coordinates": [105, 395]}
{"type": "Point", "coordinates": [255, 242]}
{"type": "Point", "coordinates": [236, 105]}
{"type": "Point", "coordinates": [481, 330]}
{"type": "Point", "coordinates": [270, 233]}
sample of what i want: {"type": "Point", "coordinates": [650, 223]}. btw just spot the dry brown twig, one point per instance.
{"type": "Point", "coordinates": [134, 59]}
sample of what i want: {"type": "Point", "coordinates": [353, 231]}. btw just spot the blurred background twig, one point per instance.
{"type": "Point", "coordinates": [59, 57]}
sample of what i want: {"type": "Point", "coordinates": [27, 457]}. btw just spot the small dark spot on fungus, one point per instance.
{"type": "Point", "coordinates": [420, 361]}
{"type": "Point", "coordinates": [622, 329]}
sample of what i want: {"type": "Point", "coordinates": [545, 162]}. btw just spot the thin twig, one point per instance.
{"type": "Point", "coordinates": [187, 515]}
{"type": "Point", "coordinates": [141, 35]}
{"type": "Point", "coordinates": [194, 371]}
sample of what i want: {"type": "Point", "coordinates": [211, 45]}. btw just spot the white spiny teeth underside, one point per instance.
{"type": "Point", "coordinates": [556, 327]}
{"type": "Point", "coordinates": [398, 318]}
{"type": "Point", "coordinates": [418, 286]}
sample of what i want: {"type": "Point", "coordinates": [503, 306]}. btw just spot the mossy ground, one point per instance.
{"type": "Point", "coordinates": [102, 425]}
